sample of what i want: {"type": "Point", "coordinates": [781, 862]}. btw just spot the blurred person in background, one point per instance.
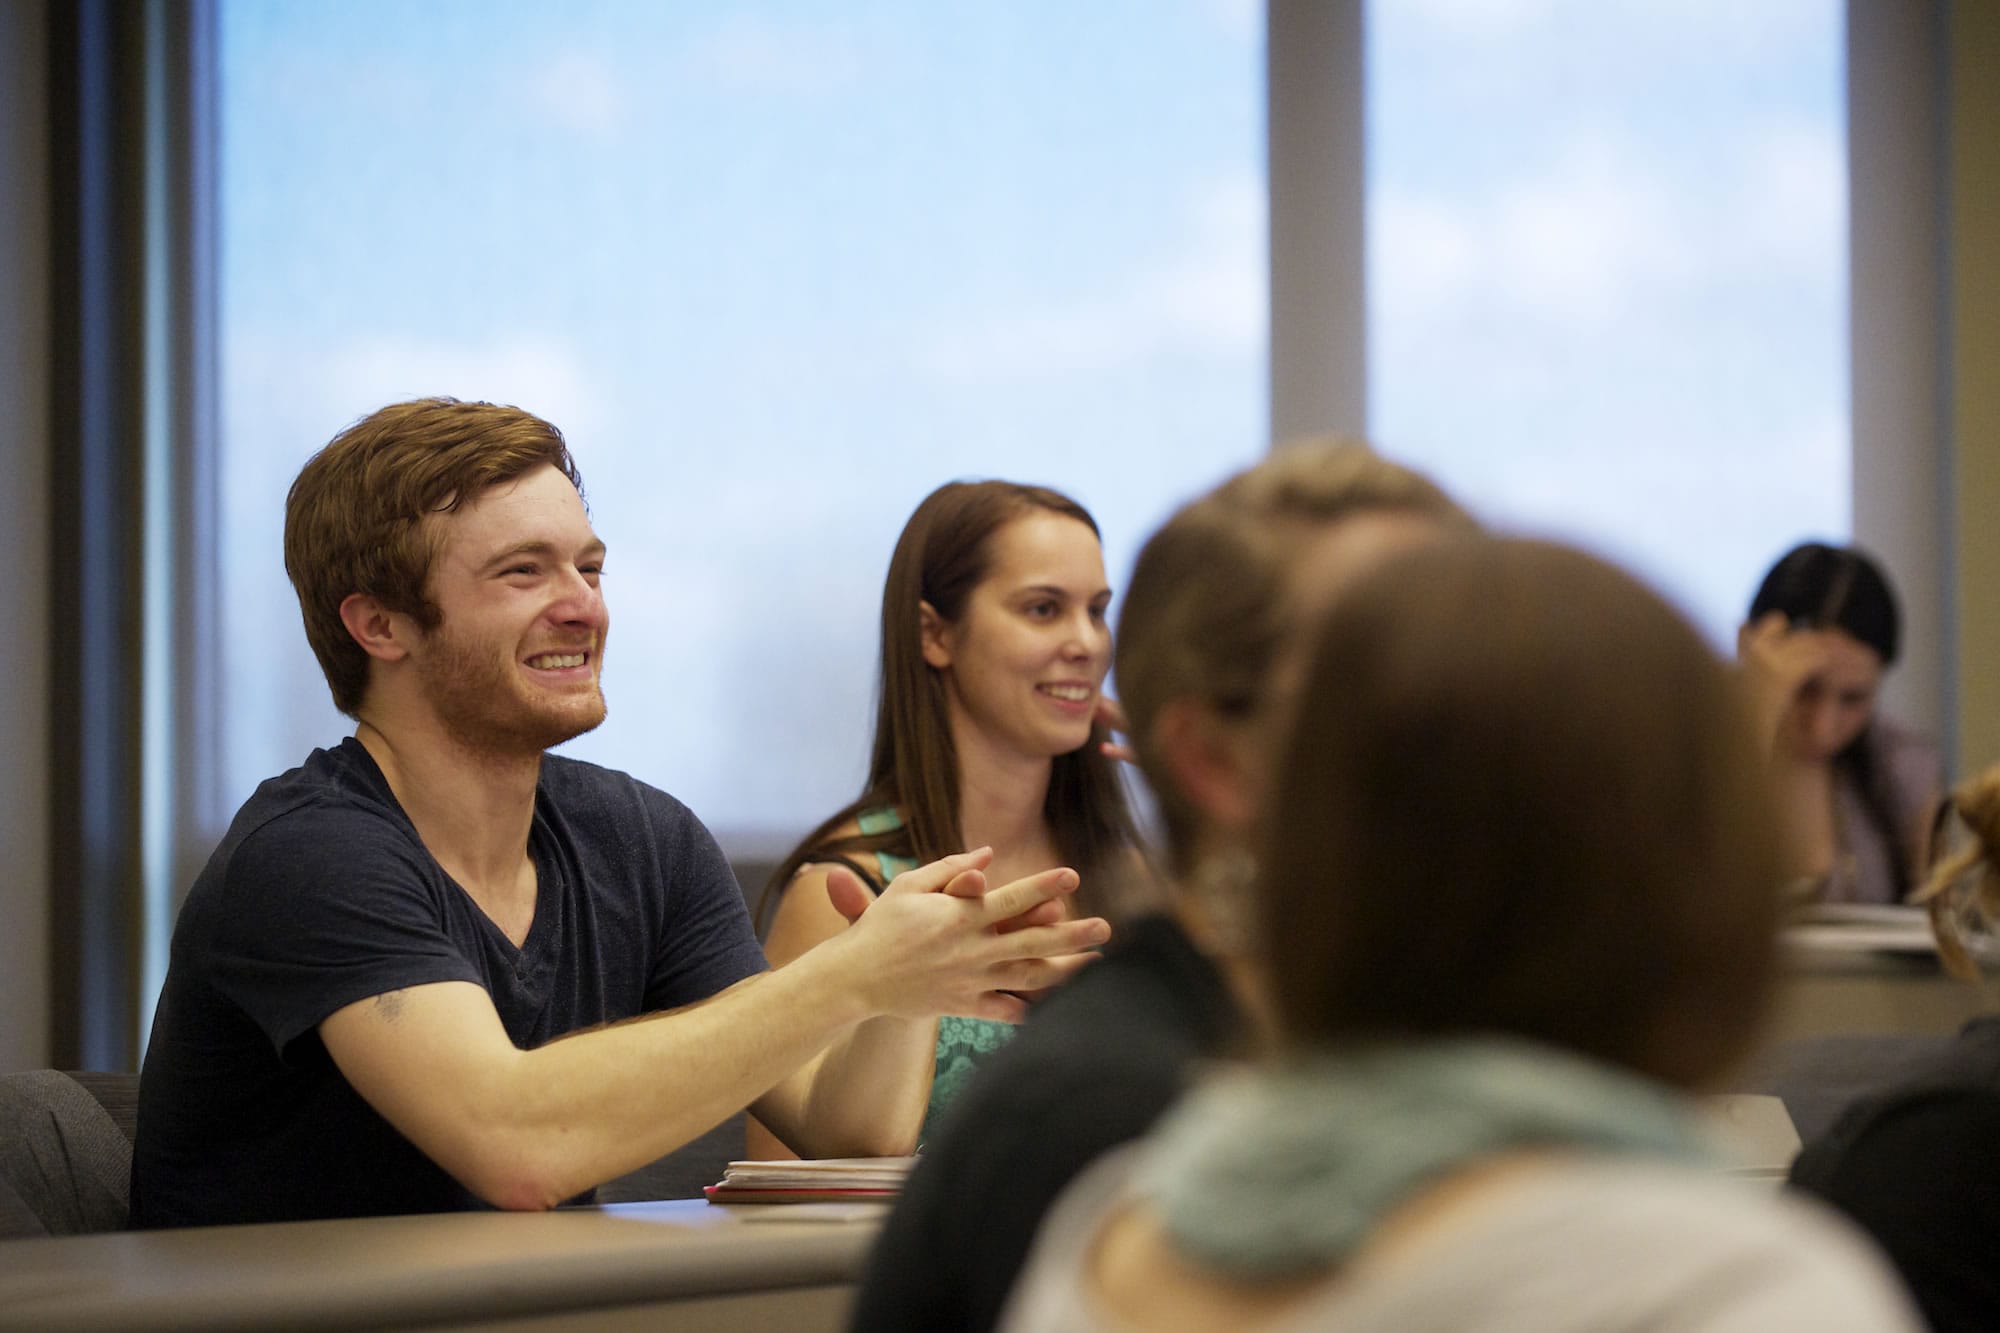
{"type": "Point", "coordinates": [1857, 789]}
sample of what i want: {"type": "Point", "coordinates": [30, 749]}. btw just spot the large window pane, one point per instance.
{"type": "Point", "coordinates": [1607, 264]}
{"type": "Point", "coordinates": [777, 270]}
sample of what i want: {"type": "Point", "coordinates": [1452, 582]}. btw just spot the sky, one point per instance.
{"type": "Point", "coordinates": [1607, 274]}
{"type": "Point", "coordinates": [778, 269]}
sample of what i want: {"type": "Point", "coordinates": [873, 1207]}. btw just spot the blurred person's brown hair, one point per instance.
{"type": "Point", "coordinates": [1206, 614]}
{"type": "Point", "coordinates": [1521, 798]}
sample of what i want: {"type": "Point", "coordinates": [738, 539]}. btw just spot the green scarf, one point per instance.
{"type": "Point", "coordinates": [1287, 1169]}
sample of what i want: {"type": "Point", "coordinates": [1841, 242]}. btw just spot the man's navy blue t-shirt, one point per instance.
{"type": "Point", "coordinates": [321, 895]}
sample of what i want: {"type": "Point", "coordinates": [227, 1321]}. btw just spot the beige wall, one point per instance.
{"type": "Point", "coordinates": [1895, 154]}
{"type": "Point", "coordinates": [24, 535]}
{"type": "Point", "coordinates": [1973, 394]}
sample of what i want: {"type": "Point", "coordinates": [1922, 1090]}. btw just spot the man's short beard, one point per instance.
{"type": "Point", "coordinates": [476, 697]}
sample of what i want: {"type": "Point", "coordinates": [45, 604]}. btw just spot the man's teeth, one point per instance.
{"type": "Point", "coordinates": [1074, 693]}
{"type": "Point", "coordinates": [556, 661]}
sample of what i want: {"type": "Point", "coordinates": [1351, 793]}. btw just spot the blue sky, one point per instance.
{"type": "Point", "coordinates": [1608, 273]}
{"type": "Point", "coordinates": [779, 269]}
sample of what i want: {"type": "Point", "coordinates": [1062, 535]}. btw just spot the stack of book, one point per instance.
{"type": "Point", "coordinates": [829, 1179]}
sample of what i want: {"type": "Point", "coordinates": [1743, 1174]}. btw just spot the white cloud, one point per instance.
{"type": "Point", "coordinates": [1720, 27]}
{"type": "Point", "coordinates": [1240, 20]}
{"type": "Point", "coordinates": [1581, 241]}
{"type": "Point", "coordinates": [538, 374]}
{"type": "Point", "coordinates": [756, 54]}
{"type": "Point", "coordinates": [1792, 212]}
{"type": "Point", "coordinates": [1210, 295]}
{"type": "Point", "coordinates": [1423, 253]}
{"type": "Point", "coordinates": [1215, 291]}
{"type": "Point", "coordinates": [1574, 245]}
{"type": "Point", "coordinates": [1607, 227]}
{"type": "Point", "coordinates": [578, 91]}
{"type": "Point", "coordinates": [1476, 19]}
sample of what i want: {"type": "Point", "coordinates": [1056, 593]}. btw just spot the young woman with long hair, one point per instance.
{"type": "Point", "coordinates": [994, 647]}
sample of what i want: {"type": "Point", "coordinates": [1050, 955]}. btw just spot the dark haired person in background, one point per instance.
{"type": "Point", "coordinates": [1857, 789]}
{"type": "Point", "coordinates": [995, 644]}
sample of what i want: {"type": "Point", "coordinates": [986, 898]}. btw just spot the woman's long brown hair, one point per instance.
{"type": "Point", "coordinates": [943, 554]}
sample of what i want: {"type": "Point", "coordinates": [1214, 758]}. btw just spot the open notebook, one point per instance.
{"type": "Point", "coordinates": [828, 1179]}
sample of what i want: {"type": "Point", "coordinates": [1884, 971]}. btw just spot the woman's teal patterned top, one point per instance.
{"type": "Point", "coordinates": [961, 1042]}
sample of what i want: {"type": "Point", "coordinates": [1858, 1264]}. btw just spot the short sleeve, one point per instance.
{"type": "Point", "coordinates": [324, 907]}
{"type": "Point", "coordinates": [706, 943]}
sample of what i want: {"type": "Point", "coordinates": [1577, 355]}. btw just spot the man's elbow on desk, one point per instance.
{"type": "Point", "coordinates": [519, 1188]}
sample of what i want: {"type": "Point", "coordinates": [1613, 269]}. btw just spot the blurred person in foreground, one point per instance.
{"type": "Point", "coordinates": [1207, 659]}
{"type": "Point", "coordinates": [1519, 899]}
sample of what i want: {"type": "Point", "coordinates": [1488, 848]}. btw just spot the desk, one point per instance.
{"type": "Point", "coordinates": [654, 1265]}
{"type": "Point", "coordinates": [1835, 986]}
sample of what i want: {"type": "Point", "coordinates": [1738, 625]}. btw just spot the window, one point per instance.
{"type": "Point", "coordinates": [1608, 274]}
{"type": "Point", "coordinates": [776, 270]}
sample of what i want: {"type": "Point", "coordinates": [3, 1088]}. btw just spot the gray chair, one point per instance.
{"type": "Point", "coordinates": [65, 1152]}
{"type": "Point", "coordinates": [66, 1155]}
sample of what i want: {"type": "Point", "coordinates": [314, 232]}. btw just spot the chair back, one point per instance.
{"type": "Point", "coordinates": [65, 1152]}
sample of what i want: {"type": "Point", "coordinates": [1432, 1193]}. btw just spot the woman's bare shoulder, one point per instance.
{"type": "Point", "coordinates": [805, 915]}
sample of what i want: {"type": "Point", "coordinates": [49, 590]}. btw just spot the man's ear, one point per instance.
{"type": "Point", "coordinates": [383, 634]}
{"type": "Point", "coordinates": [935, 634]}
{"type": "Point", "coordinates": [1211, 761]}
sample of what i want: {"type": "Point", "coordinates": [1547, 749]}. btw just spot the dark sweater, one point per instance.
{"type": "Point", "coordinates": [1094, 1067]}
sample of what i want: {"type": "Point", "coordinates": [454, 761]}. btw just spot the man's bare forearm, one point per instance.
{"type": "Point", "coordinates": [528, 1129]}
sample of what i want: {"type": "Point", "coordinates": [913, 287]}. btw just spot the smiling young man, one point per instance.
{"type": "Point", "coordinates": [402, 982]}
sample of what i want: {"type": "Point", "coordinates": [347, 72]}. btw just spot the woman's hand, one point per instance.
{"type": "Point", "coordinates": [1777, 661]}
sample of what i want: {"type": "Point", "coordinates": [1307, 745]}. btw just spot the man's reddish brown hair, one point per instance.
{"type": "Point", "coordinates": [357, 518]}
